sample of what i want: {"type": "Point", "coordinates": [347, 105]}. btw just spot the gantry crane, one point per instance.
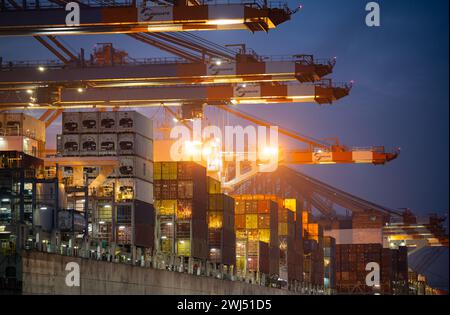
{"type": "Point", "coordinates": [131, 16]}
{"type": "Point", "coordinates": [320, 152]}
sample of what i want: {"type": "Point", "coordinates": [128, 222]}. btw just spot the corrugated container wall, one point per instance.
{"type": "Point", "coordinates": [135, 144]}
{"type": "Point", "coordinates": [131, 121]}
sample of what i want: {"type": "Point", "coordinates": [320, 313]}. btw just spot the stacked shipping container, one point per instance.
{"type": "Point", "coordinates": [329, 262]}
{"type": "Point", "coordinates": [313, 263]}
{"type": "Point", "coordinates": [256, 220]}
{"type": "Point", "coordinates": [351, 261]}
{"type": "Point", "coordinates": [221, 236]}
{"type": "Point", "coordinates": [181, 202]}
{"type": "Point", "coordinates": [122, 208]}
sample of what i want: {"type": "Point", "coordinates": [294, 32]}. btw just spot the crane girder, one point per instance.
{"type": "Point", "coordinates": [112, 97]}
{"type": "Point", "coordinates": [128, 17]}
{"type": "Point", "coordinates": [163, 72]}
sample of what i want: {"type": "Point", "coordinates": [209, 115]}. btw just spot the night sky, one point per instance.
{"type": "Point", "coordinates": [400, 98]}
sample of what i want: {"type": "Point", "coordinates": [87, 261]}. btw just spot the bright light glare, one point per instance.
{"type": "Point", "coordinates": [270, 151]}
{"type": "Point", "coordinates": [41, 68]}
{"type": "Point", "coordinates": [225, 22]}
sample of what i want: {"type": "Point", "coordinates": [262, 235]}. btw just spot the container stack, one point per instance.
{"type": "Point", "coordinates": [313, 263]}
{"type": "Point", "coordinates": [221, 236]}
{"type": "Point", "coordinates": [290, 256]}
{"type": "Point", "coordinates": [351, 261]}
{"type": "Point", "coordinates": [181, 208]}
{"type": "Point", "coordinates": [122, 207]}
{"type": "Point", "coordinates": [256, 220]}
{"type": "Point", "coordinates": [329, 262]}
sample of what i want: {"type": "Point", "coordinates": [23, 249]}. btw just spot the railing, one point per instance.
{"type": "Point", "coordinates": [37, 5]}
{"type": "Point", "coordinates": [11, 64]}
{"type": "Point", "coordinates": [175, 264]}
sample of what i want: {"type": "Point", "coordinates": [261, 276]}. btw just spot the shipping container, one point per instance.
{"type": "Point", "coordinates": [135, 144]}
{"type": "Point", "coordinates": [214, 186]}
{"type": "Point", "coordinates": [70, 221]}
{"type": "Point", "coordinates": [185, 200]}
{"type": "Point", "coordinates": [124, 234]}
{"type": "Point", "coordinates": [70, 145]}
{"type": "Point", "coordinates": [71, 122]}
{"type": "Point", "coordinates": [89, 122]}
{"type": "Point", "coordinates": [88, 144]}
{"type": "Point", "coordinates": [221, 235]}
{"type": "Point", "coordinates": [107, 122]}
{"type": "Point", "coordinates": [144, 223]}
{"type": "Point", "coordinates": [129, 189]}
{"type": "Point", "coordinates": [133, 166]}
{"type": "Point", "coordinates": [132, 121]}
{"type": "Point", "coordinates": [107, 144]}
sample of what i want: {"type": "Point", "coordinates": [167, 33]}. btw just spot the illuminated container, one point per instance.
{"type": "Point", "coordinates": [214, 186]}
{"type": "Point", "coordinates": [107, 144]}
{"type": "Point", "coordinates": [252, 256]}
{"type": "Point", "coordinates": [256, 219]}
{"type": "Point", "coordinates": [107, 122]}
{"type": "Point", "coordinates": [135, 144]}
{"type": "Point", "coordinates": [89, 122]}
{"type": "Point", "coordinates": [129, 189]}
{"type": "Point", "coordinates": [221, 236]}
{"type": "Point", "coordinates": [89, 144]}
{"type": "Point", "coordinates": [132, 121]}
{"type": "Point", "coordinates": [181, 206]}
{"type": "Point", "coordinates": [71, 122]}
{"type": "Point", "coordinates": [70, 145]}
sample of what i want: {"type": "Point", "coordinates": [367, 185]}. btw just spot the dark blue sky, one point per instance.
{"type": "Point", "coordinates": [400, 97]}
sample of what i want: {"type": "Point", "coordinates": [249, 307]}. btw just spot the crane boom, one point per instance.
{"type": "Point", "coordinates": [320, 152]}
{"type": "Point", "coordinates": [124, 16]}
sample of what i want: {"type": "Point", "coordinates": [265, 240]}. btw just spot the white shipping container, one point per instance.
{"type": "Point", "coordinates": [134, 188]}
{"type": "Point", "coordinates": [135, 144]}
{"type": "Point", "coordinates": [70, 122]}
{"type": "Point", "coordinates": [89, 122]}
{"type": "Point", "coordinates": [70, 145]}
{"type": "Point", "coordinates": [89, 144]}
{"type": "Point", "coordinates": [107, 144]}
{"type": "Point", "coordinates": [107, 122]}
{"type": "Point", "coordinates": [18, 124]}
{"type": "Point", "coordinates": [133, 166]}
{"type": "Point", "coordinates": [132, 121]}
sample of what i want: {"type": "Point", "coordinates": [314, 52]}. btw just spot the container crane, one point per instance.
{"type": "Point", "coordinates": [106, 69]}
{"type": "Point", "coordinates": [219, 94]}
{"type": "Point", "coordinates": [320, 152]}
{"type": "Point", "coordinates": [126, 16]}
